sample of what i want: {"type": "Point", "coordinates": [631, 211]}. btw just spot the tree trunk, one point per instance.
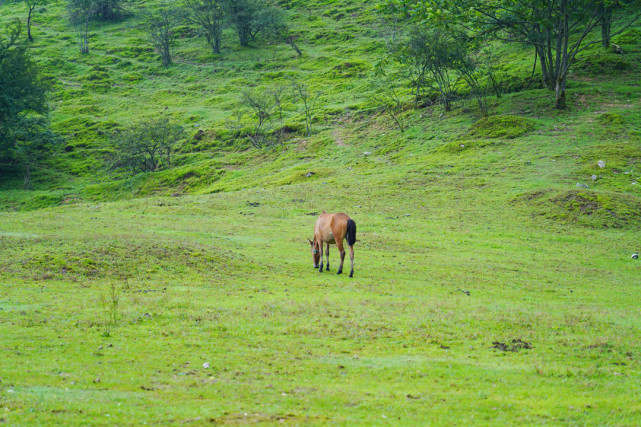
{"type": "Point", "coordinates": [213, 40]}
{"type": "Point", "coordinates": [606, 28]}
{"type": "Point", "coordinates": [446, 103]}
{"type": "Point", "coordinates": [482, 106]}
{"type": "Point", "coordinates": [559, 94]}
{"type": "Point", "coordinates": [243, 36]}
{"type": "Point", "coordinates": [27, 175]}
{"type": "Point", "coordinates": [290, 41]}
{"type": "Point", "coordinates": [29, 23]}
{"type": "Point", "coordinates": [85, 39]}
{"type": "Point", "coordinates": [545, 73]}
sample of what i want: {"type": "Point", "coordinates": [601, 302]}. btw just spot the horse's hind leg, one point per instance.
{"type": "Point", "coordinates": [327, 255]}
{"type": "Point", "coordinates": [339, 245]}
{"type": "Point", "coordinates": [351, 258]}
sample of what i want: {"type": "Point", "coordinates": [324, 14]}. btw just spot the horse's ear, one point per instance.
{"type": "Point", "coordinates": [310, 242]}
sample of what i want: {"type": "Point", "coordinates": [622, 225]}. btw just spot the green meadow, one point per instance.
{"type": "Point", "coordinates": [493, 283]}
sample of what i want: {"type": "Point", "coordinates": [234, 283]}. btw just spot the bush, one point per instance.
{"type": "Point", "coordinates": [600, 62]}
{"type": "Point", "coordinates": [585, 207]}
{"type": "Point", "coordinates": [146, 146]}
{"type": "Point", "coordinates": [504, 126]}
{"type": "Point", "coordinates": [611, 119]}
{"type": "Point", "coordinates": [630, 37]}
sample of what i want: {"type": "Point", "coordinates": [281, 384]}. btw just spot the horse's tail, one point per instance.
{"type": "Point", "coordinates": [351, 232]}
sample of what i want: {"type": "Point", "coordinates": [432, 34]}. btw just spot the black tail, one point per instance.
{"type": "Point", "coordinates": [351, 232]}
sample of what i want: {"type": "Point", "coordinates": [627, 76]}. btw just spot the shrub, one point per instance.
{"type": "Point", "coordinates": [600, 62]}
{"type": "Point", "coordinates": [504, 126]}
{"type": "Point", "coordinates": [611, 119]}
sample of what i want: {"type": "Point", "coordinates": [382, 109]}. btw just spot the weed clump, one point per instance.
{"type": "Point", "coordinates": [353, 68]}
{"type": "Point", "coordinates": [585, 207]}
{"type": "Point", "coordinates": [611, 119]}
{"type": "Point", "coordinates": [600, 62]}
{"type": "Point", "coordinates": [461, 146]}
{"type": "Point", "coordinates": [504, 126]}
{"type": "Point", "coordinates": [630, 37]}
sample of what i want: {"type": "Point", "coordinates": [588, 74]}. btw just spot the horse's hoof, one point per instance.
{"type": "Point", "coordinates": [338, 272]}
{"type": "Point", "coordinates": [351, 274]}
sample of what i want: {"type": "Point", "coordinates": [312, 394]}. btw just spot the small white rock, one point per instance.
{"type": "Point", "coordinates": [601, 164]}
{"type": "Point", "coordinates": [205, 365]}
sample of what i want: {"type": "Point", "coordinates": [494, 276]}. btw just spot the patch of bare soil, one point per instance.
{"type": "Point", "coordinates": [514, 345]}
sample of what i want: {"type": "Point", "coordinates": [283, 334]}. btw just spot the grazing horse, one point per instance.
{"type": "Point", "coordinates": [333, 228]}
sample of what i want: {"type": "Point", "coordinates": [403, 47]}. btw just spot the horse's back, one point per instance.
{"type": "Point", "coordinates": [332, 226]}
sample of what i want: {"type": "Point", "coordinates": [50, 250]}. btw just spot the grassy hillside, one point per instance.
{"type": "Point", "coordinates": [122, 81]}
{"type": "Point", "coordinates": [493, 284]}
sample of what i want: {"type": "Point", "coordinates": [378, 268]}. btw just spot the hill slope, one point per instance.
{"type": "Point", "coordinates": [489, 287]}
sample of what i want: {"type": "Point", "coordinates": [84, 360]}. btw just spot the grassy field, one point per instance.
{"type": "Point", "coordinates": [489, 287]}
{"type": "Point", "coordinates": [467, 306]}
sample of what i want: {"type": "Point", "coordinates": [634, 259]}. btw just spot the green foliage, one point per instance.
{"type": "Point", "coordinates": [146, 146]}
{"type": "Point", "coordinates": [161, 25]}
{"type": "Point", "coordinates": [208, 16]}
{"type": "Point", "coordinates": [108, 10]}
{"type": "Point", "coordinates": [557, 31]}
{"type": "Point", "coordinates": [242, 16]}
{"type": "Point", "coordinates": [274, 23]}
{"type": "Point", "coordinates": [81, 13]}
{"type": "Point", "coordinates": [501, 126]}
{"type": "Point", "coordinates": [25, 136]}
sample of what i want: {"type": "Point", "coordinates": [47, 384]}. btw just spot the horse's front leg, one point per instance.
{"type": "Point", "coordinates": [327, 255]}
{"type": "Point", "coordinates": [320, 248]}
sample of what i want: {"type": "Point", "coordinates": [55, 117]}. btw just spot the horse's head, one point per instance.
{"type": "Point", "coordinates": [315, 251]}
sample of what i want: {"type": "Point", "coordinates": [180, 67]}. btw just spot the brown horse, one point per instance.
{"type": "Point", "coordinates": [333, 228]}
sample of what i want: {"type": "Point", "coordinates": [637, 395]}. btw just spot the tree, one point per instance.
{"type": "Point", "coordinates": [80, 13]}
{"type": "Point", "coordinates": [557, 29]}
{"type": "Point", "coordinates": [302, 92]}
{"type": "Point", "coordinates": [146, 146]}
{"type": "Point", "coordinates": [24, 129]}
{"type": "Point", "coordinates": [209, 16]}
{"type": "Point", "coordinates": [109, 9]}
{"type": "Point", "coordinates": [262, 106]}
{"type": "Point", "coordinates": [31, 6]}
{"type": "Point", "coordinates": [388, 99]}
{"type": "Point", "coordinates": [241, 15]}
{"type": "Point", "coordinates": [273, 21]}
{"type": "Point", "coordinates": [428, 57]}
{"type": "Point", "coordinates": [160, 27]}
